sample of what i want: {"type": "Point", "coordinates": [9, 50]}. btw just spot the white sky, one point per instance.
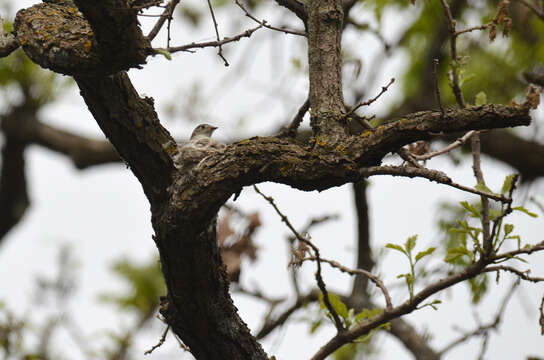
{"type": "Point", "coordinates": [104, 215]}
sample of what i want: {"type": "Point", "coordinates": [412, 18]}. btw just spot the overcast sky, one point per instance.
{"type": "Point", "coordinates": [104, 215]}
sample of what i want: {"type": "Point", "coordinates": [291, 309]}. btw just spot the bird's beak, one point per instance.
{"type": "Point", "coordinates": [214, 128]}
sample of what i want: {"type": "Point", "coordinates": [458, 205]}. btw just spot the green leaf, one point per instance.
{"type": "Point", "coordinates": [483, 187]}
{"type": "Point", "coordinates": [431, 304]}
{"type": "Point", "coordinates": [409, 279]}
{"type": "Point", "coordinates": [480, 98]}
{"type": "Point", "coordinates": [396, 247]}
{"type": "Point", "coordinates": [471, 209]}
{"type": "Point", "coordinates": [494, 214]}
{"type": "Point", "coordinates": [349, 318]}
{"type": "Point", "coordinates": [524, 210]}
{"type": "Point", "coordinates": [435, 302]}
{"type": "Point", "coordinates": [315, 326]}
{"type": "Point", "coordinates": [508, 228]}
{"type": "Point", "coordinates": [422, 254]}
{"type": "Point", "coordinates": [337, 304]}
{"type": "Point", "coordinates": [456, 253]}
{"type": "Point", "coordinates": [410, 243]}
{"type": "Point", "coordinates": [508, 183]}
{"type": "Point", "coordinates": [515, 237]}
{"type": "Point", "coordinates": [478, 287]}
{"type": "Point", "coordinates": [164, 53]}
{"type": "Point", "coordinates": [367, 314]}
{"type": "Point", "coordinates": [367, 337]}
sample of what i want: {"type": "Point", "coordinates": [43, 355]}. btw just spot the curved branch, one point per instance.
{"type": "Point", "coordinates": [132, 125]}
{"type": "Point", "coordinates": [320, 167]}
{"type": "Point", "coordinates": [269, 326]}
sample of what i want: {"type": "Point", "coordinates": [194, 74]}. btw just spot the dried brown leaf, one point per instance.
{"type": "Point", "coordinates": [503, 12]}
{"type": "Point", "coordinates": [224, 229]}
{"type": "Point", "coordinates": [532, 98]}
{"type": "Point", "coordinates": [492, 32]}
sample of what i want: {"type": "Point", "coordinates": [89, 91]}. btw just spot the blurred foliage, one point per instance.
{"type": "Point", "coordinates": [490, 66]}
{"type": "Point", "coordinates": [21, 79]}
{"type": "Point", "coordinates": [53, 297]}
{"type": "Point", "coordinates": [145, 285]}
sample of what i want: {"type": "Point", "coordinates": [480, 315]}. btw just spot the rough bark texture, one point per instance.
{"type": "Point", "coordinates": [325, 19]}
{"type": "Point", "coordinates": [57, 37]}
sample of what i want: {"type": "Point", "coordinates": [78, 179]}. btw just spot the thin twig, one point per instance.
{"type": "Point", "coordinates": [265, 24]}
{"type": "Point", "coordinates": [541, 319]}
{"type": "Point", "coordinates": [476, 166]}
{"type": "Point", "coordinates": [313, 222]}
{"type": "Point", "coordinates": [498, 221]}
{"type": "Point", "coordinates": [474, 28]}
{"type": "Point", "coordinates": [270, 325]}
{"type": "Point", "coordinates": [258, 294]}
{"type": "Point", "coordinates": [526, 250]}
{"type": "Point", "coordinates": [454, 73]}
{"type": "Point", "coordinates": [220, 51]}
{"type": "Point", "coordinates": [291, 130]}
{"type": "Point", "coordinates": [484, 328]}
{"type": "Point", "coordinates": [161, 341]}
{"type": "Point", "coordinates": [166, 15]}
{"type": "Point", "coordinates": [429, 174]}
{"type": "Point", "coordinates": [460, 141]}
{"type": "Point", "coordinates": [319, 279]}
{"type": "Point", "coordinates": [368, 102]}
{"type": "Point", "coordinates": [521, 274]}
{"type": "Point", "coordinates": [181, 344]}
{"type": "Point", "coordinates": [437, 87]}
{"type": "Point", "coordinates": [409, 158]}
{"type": "Point", "coordinates": [376, 280]}
{"type": "Point", "coordinates": [366, 26]}
{"type": "Point", "coordinates": [224, 41]}
{"type": "Point", "coordinates": [409, 305]}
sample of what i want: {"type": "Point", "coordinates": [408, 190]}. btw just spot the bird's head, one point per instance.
{"type": "Point", "coordinates": [203, 130]}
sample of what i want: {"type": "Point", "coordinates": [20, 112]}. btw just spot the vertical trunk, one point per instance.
{"type": "Point", "coordinates": [325, 19]}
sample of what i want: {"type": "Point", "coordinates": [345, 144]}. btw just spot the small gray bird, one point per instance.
{"type": "Point", "coordinates": [199, 146]}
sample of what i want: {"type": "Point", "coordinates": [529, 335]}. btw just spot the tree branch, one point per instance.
{"type": "Point", "coordinates": [224, 41]}
{"type": "Point", "coordinates": [131, 124]}
{"type": "Point", "coordinates": [325, 25]}
{"type": "Point", "coordinates": [14, 198]}
{"type": "Point", "coordinates": [296, 7]}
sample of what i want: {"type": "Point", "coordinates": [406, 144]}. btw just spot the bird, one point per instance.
{"type": "Point", "coordinates": [199, 146]}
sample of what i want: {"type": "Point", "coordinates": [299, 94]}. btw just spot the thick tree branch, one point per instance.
{"type": "Point", "coordinates": [295, 6]}
{"type": "Point", "coordinates": [318, 168]}
{"type": "Point", "coordinates": [131, 124]}
{"type": "Point", "coordinates": [83, 151]}
{"type": "Point", "coordinates": [364, 251]}
{"type": "Point", "coordinates": [14, 198]}
{"type": "Point", "coordinates": [525, 155]}
{"type": "Point", "coordinates": [121, 43]}
{"type": "Point", "coordinates": [57, 37]}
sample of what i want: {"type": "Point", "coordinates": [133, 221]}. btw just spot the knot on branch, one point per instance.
{"type": "Point", "coordinates": [56, 36]}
